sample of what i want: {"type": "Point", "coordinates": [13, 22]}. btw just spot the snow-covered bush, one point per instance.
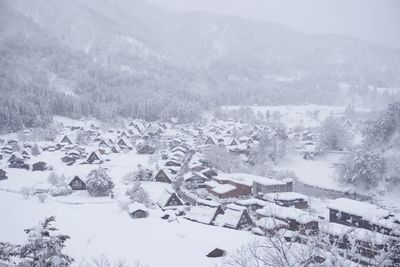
{"type": "Point", "coordinates": [25, 191]}
{"type": "Point", "coordinates": [42, 197]}
{"type": "Point", "coordinates": [98, 183]}
{"type": "Point", "coordinates": [145, 147]}
{"type": "Point", "coordinates": [104, 261]}
{"type": "Point", "coordinates": [143, 174]}
{"type": "Point", "coordinates": [138, 194]}
{"type": "Point", "coordinates": [61, 190]}
{"type": "Point", "coordinates": [140, 175]}
{"type": "Point", "coordinates": [59, 185]}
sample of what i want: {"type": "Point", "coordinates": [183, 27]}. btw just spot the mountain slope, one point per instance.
{"type": "Point", "coordinates": [130, 58]}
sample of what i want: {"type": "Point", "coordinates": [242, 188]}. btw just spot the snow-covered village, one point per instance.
{"type": "Point", "coordinates": [120, 148]}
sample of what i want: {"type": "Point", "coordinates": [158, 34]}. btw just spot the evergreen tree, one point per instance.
{"type": "Point", "coordinates": [43, 248]}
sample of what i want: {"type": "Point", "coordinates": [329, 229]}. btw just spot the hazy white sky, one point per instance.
{"type": "Point", "coordinates": [376, 21]}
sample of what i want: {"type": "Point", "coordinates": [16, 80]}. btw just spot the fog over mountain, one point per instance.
{"type": "Point", "coordinates": [131, 58]}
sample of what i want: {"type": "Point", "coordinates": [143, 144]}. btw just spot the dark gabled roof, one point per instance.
{"type": "Point", "coordinates": [215, 253]}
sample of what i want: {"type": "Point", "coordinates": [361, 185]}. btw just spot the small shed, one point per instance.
{"type": "Point", "coordinates": [138, 210]}
{"type": "Point", "coordinates": [3, 175]}
{"type": "Point", "coordinates": [39, 166]}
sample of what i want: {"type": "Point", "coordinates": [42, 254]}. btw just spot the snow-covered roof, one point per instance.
{"type": "Point", "coordinates": [135, 206]}
{"type": "Point", "coordinates": [234, 206]}
{"type": "Point", "coordinates": [285, 196]}
{"type": "Point", "coordinates": [223, 188]}
{"type": "Point", "coordinates": [249, 179]}
{"type": "Point", "coordinates": [165, 196]}
{"type": "Point", "coordinates": [207, 202]}
{"type": "Point", "coordinates": [251, 201]}
{"type": "Point", "coordinates": [270, 223]}
{"type": "Point", "coordinates": [273, 210]}
{"type": "Point", "coordinates": [201, 214]}
{"type": "Point", "coordinates": [231, 218]}
{"type": "Point", "coordinates": [363, 209]}
{"type": "Point", "coordinates": [189, 175]}
{"type": "Point", "coordinates": [359, 234]}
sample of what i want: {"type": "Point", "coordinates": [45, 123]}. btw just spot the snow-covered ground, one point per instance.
{"type": "Point", "coordinates": [319, 172]}
{"type": "Point", "coordinates": [99, 226]}
{"type": "Point", "coordinates": [97, 229]}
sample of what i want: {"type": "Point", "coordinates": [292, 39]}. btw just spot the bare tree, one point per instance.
{"type": "Point", "coordinates": [287, 248]}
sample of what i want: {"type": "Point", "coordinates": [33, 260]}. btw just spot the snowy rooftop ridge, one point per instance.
{"type": "Point", "coordinates": [363, 209]}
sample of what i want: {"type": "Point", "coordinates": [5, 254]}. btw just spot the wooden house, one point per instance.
{"type": "Point", "coordinates": [74, 153]}
{"type": "Point", "coordinates": [252, 204]}
{"type": "Point", "coordinates": [16, 156]}
{"type": "Point", "coordinates": [179, 148]}
{"type": "Point", "coordinates": [287, 199]}
{"type": "Point", "coordinates": [368, 243]}
{"type": "Point", "coordinates": [103, 143]}
{"type": "Point", "coordinates": [169, 199]}
{"type": "Point", "coordinates": [296, 219]}
{"type": "Point", "coordinates": [194, 180]}
{"type": "Point", "coordinates": [269, 185]}
{"type": "Point", "coordinates": [123, 143]}
{"type": "Point", "coordinates": [211, 141]}
{"type": "Point", "coordinates": [207, 202]}
{"type": "Point", "coordinates": [94, 158]}
{"type": "Point", "coordinates": [203, 214]}
{"type": "Point", "coordinates": [7, 150]}
{"type": "Point", "coordinates": [172, 162]}
{"type": "Point", "coordinates": [271, 225]}
{"type": "Point", "coordinates": [3, 175]}
{"type": "Point", "coordinates": [39, 166]}
{"type": "Point", "coordinates": [115, 149]}
{"type": "Point", "coordinates": [77, 184]}
{"type": "Point", "coordinates": [12, 142]}
{"type": "Point", "coordinates": [234, 219]}
{"type": "Point", "coordinates": [25, 155]}
{"type": "Point", "coordinates": [138, 210]}
{"type": "Point", "coordinates": [362, 215]}
{"type": "Point", "coordinates": [66, 140]}
{"type": "Point", "coordinates": [226, 187]}
{"type": "Point", "coordinates": [162, 177]}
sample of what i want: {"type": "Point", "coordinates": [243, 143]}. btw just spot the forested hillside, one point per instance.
{"type": "Point", "coordinates": [110, 58]}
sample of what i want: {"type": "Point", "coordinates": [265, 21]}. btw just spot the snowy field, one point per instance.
{"type": "Point", "coordinates": [299, 115]}
{"type": "Point", "coordinates": [97, 229]}
{"type": "Point", "coordinates": [319, 172]}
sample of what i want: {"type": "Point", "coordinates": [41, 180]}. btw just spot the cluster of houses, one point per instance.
{"type": "Point", "coordinates": [206, 195]}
